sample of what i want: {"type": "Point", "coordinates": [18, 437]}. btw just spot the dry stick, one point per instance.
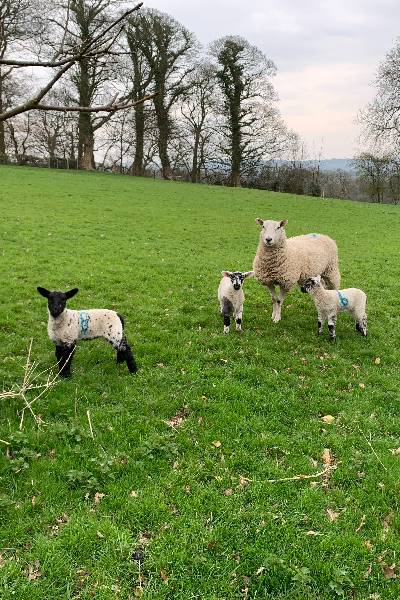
{"type": "Point", "coordinates": [372, 448]}
{"type": "Point", "coordinates": [90, 423]}
{"type": "Point", "coordinates": [303, 477]}
{"type": "Point", "coordinates": [361, 525]}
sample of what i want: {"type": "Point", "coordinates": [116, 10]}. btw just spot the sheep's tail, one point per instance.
{"type": "Point", "coordinates": [121, 318]}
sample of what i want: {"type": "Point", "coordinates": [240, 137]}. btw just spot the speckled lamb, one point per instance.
{"type": "Point", "coordinates": [65, 327]}
{"type": "Point", "coordinates": [330, 302]}
{"type": "Point", "coordinates": [231, 297]}
{"type": "Point", "coordinates": [283, 263]}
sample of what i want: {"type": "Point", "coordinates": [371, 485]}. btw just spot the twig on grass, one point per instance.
{"type": "Point", "coordinates": [303, 477]}
{"type": "Point", "coordinates": [30, 382]}
{"type": "Point", "coordinates": [90, 423]}
{"type": "Point", "coordinates": [372, 448]}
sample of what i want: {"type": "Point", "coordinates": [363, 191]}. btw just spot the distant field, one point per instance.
{"type": "Point", "coordinates": [187, 511]}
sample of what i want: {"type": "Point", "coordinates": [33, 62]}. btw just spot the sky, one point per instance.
{"type": "Point", "coordinates": [326, 53]}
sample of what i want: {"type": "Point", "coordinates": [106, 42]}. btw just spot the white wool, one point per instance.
{"type": "Point", "coordinates": [102, 323]}
{"type": "Point", "coordinates": [226, 290]}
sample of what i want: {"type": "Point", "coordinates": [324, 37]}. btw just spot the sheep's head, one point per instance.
{"type": "Point", "coordinates": [311, 284]}
{"type": "Point", "coordinates": [237, 277]}
{"type": "Point", "coordinates": [272, 232]}
{"type": "Point", "coordinates": [57, 301]}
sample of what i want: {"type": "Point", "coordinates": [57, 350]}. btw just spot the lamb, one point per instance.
{"type": "Point", "coordinates": [65, 327]}
{"type": "Point", "coordinates": [329, 302]}
{"type": "Point", "coordinates": [285, 262]}
{"type": "Point", "coordinates": [231, 297]}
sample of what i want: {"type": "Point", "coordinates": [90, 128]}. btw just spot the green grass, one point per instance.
{"type": "Point", "coordinates": [154, 252]}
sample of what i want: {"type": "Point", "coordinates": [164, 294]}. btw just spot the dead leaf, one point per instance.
{"type": "Point", "coordinates": [387, 521]}
{"type": "Point", "coordinates": [133, 494]}
{"type": "Point", "coordinates": [32, 571]}
{"type": "Point", "coordinates": [243, 481]}
{"type": "Point", "coordinates": [161, 365]}
{"type": "Point", "coordinates": [329, 419]}
{"type": "Point", "coordinates": [178, 419]}
{"type": "Point", "coordinates": [389, 572]}
{"type": "Point", "coordinates": [368, 572]}
{"type": "Point", "coordinates": [200, 420]}
{"type": "Point", "coordinates": [362, 386]}
{"type": "Point", "coordinates": [187, 489]}
{"type": "Point", "coordinates": [138, 591]}
{"type": "Point", "coordinates": [395, 451]}
{"type": "Point", "coordinates": [228, 492]}
{"type": "Point", "coordinates": [327, 457]}
{"type": "Point", "coordinates": [144, 538]}
{"type": "Point", "coordinates": [332, 515]}
{"type": "Point", "coordinates": [164, 576]}
{"type": "Point", "coordinates": [98, 497]}
{"type": "Point", "coordinates": [99, 535]}
{"type": "Point", "coordinates": [377, 360]}
{"type": "Point", "coordinates": [217, 444]}
{"type": "Point", "coordinates": [33, 500]}
{"type": "Point", "coordinates": [368, 545]}
{"type": "Point", "coordinates": [175, 465]}
{"type": "Point", "coordinates": [312, 532]}
{"type": "Point", "coordinates": [260, 570]}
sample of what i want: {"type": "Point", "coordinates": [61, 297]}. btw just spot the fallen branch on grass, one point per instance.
{"type": "Point", "coordinates": [30, 383]}
{"type": "Point", "coordinates": [327, 470]}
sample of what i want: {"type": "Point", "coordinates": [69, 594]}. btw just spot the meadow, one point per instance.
{"type": "Point", "coordinates": [166, 492]}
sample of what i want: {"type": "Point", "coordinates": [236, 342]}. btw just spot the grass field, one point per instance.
{"type": "Point", "coordinates": [143, 509]}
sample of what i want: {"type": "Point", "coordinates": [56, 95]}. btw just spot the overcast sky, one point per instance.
{"type": "Point", "coordinates": [326, 53]}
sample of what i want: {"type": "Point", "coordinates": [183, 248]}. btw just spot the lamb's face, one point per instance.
{"type": "Point", "coordinates": [237, 277]}
{"type": "Point", "coordinates": [311, 284]}
{"type": "Point", "coordinates": [56, 301]}
{"type": "Point", "coordinates": [272, 232]}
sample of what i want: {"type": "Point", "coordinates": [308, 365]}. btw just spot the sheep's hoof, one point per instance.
{"type": "Point", "coordinates": [226, 330]}
{"type": "Point", "coordinates": [239, 329]}
{"type": "Point", "coordinates": [275, 318]}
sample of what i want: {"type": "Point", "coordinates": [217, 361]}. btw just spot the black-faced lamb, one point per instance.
{"type": "Point", "coordinates": [231, 297]}
{"type": "Point", "coordinates": [330, 302]}
{"type": "Point", "coordinates": [283, 263]}
{"type": "Point", "coordinates": [66, 327]}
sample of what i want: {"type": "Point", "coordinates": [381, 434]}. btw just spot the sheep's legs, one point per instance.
{"type": "Point", "coordinates": [277, 301]}
{"type": "Point", "coordinates": [320, 324]}
{"type": "Point", "coordinates": [238, 319]}
{"type": "Point", "coordinates": [331, 277]}
{"type": "Point", "coordinates": [361, 325]}
{"type": "Point", "coordinates": [226, 309]}
{"type": "Point", "coordinates": [64, 355]}
{"type": "Point", "coordinates": [125, 354]}
{"type": "Point", "coordinates": [332, 327]}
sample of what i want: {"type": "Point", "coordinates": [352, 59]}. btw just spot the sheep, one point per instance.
{"type": "Point", "coordinates": [285, 262]}
{"type": "Point", "coordinates": [65, 327]}
{"type": "Point", "coordinates": [231, 297]}
{"type": "Point", "coordinates": [329, 302]}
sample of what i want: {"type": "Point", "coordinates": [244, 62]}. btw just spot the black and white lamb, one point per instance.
{"type": "Point", "coordinates": [66, 327]}
{"type": "Point", "coordinates": [231, 297]}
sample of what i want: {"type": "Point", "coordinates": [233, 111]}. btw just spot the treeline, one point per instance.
{"type": "Point", "coordinates": [210, 110]}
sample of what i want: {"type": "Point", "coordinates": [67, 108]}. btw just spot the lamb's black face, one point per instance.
{"type": "Point", "coordinates": [309, 285]}
{"type": "Point", "coordinates": [237, 279]}
{"type": "Point", "coordinates": [57, 301]}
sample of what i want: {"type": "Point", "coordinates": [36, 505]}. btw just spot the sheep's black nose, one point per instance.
{"type": "Point", "coordinates": [268, 240]}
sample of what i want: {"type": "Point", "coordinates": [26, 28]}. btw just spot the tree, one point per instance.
{"type": "Point", "coordinates": [374, 172]}
{"type": "Point", "coordinates": [168, 49]}
{"type": "Point", "coordinates": [381, 118]}
{"type": "Point", "coordinates": [99, 43]}
{"type": "Point", "coordinates": [243, 74]}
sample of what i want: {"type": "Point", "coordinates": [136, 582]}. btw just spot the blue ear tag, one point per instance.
{"type": "Point", "coordinates": [84, 322]}
{"type": "Point", "coordinates": [343, 300]}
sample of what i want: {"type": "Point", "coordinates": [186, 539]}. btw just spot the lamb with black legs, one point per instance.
{"type": "Point", "coordinates": [66, 327]}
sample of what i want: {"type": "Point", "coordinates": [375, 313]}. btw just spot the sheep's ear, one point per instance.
{"type": "Point", "coordinates": [226, 273]}
{"type": "Point", "coordinates": [283, 223]}
{"type": "Point", "coordinates": [248, 274]}
{"type": "Point", "coordinates": [71, 293]}
{"type": "Point", "coordinates": [260, 222]}
{"type": "Point", "coordinates": [43, 292]}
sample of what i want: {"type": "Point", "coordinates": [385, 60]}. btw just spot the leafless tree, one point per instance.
{"type": "Point", "coordinates": [374, 172]}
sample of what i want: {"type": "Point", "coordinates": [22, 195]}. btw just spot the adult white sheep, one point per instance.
{"type": "Point", "coordinates": [283, 263]}
{"type": "Point", "coordinates": [330, 302]}
{"type": "Point", "coordinates": [65, 327]}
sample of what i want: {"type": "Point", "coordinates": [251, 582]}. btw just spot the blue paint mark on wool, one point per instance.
{"type": "Point", "coordinates": [343, 300]}
{"type": "Point", "coordinates": [84, 320]}
{"type": "Point", "coordinates": [314, 235]}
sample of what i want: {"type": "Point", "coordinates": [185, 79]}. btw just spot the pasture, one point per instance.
{"type": "Point", "coordinates": [167, 497]}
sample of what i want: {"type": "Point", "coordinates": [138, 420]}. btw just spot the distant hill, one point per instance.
{"type": "Point", "coordinates": [329, 164]}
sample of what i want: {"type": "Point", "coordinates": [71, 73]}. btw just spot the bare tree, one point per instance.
{"type": "Point", "coordinates": [99, 43]}
{"type": "Point", "coordinates": [168, 48]}
{"type": "Point", "coordinates": [373, 172]}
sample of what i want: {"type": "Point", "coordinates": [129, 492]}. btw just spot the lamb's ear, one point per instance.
{"type": "Point", "coordinates": [71, 293]}
{"type": "Point", "coordinates": [43, 292]}
{"type": "Point", "coordinates": [248, 274]}
{"type": "Point", "coordinates": [260, 222]}
{"type": "Point", "coordinates": [283, 223]}
{"type": "Point", "coordinates": [226, 273]}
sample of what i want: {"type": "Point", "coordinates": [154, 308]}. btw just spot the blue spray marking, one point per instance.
{"type": "Point", "coordinates": [314, 235]}
{"type": "Point", "coordinates": [84, 322]}
{"type": "Point", "coordinates": [343, 300]}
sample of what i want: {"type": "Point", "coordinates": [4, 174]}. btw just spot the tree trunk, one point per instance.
{"type": "Point", "coordinates": [163, 124]}
{"type": "Point", "coordinates": [86, 143]}
{"type": "Point", "coordinates": [137, 167]}
{"type": "Point", "coordinates": [194, 175]}
{"type": "Point", "coordinates": [3, 154]}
